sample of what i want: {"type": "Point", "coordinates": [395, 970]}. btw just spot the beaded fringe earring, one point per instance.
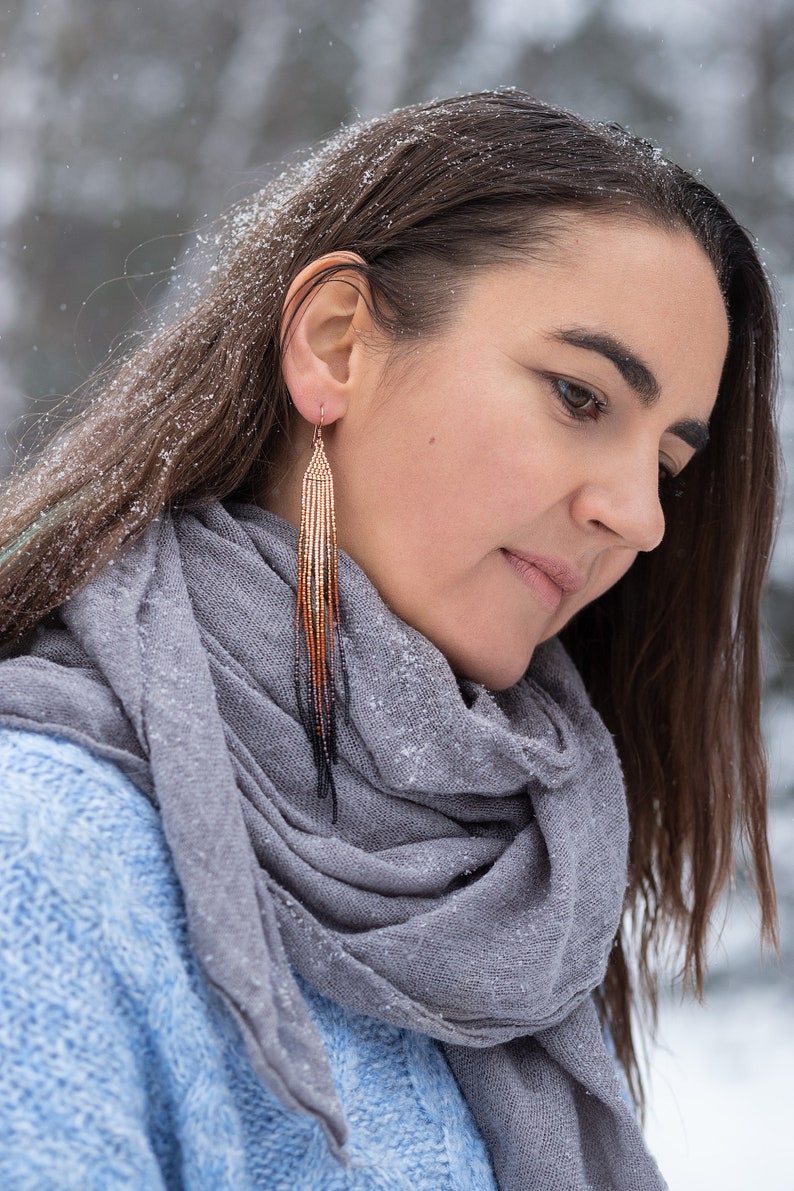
{"type": "Point", "coordinates": [319, 652]}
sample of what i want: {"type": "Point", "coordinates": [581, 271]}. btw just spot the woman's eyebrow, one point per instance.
{"type": "Point", "coordinates": [693, 432]}
{"type": "Point", "coordinates": [635, 373]}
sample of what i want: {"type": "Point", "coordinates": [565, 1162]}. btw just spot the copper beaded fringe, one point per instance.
{"type": "Point", "coordinates": [318, 631]}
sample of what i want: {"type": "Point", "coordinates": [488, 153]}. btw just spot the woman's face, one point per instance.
{"type": "Point", "coordinates": [494, 479]}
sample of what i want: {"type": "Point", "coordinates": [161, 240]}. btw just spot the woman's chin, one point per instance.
{"type": "Point", "coordinates": [493, 672]}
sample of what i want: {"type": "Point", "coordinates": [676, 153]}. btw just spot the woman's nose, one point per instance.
{"type": "Point", "coordinates": [625, 501]}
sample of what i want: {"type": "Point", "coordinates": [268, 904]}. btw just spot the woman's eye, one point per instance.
{"type": "Point", "coordinates": [670, 483]}
{"type": "Point", "coordinates": [577, 401]}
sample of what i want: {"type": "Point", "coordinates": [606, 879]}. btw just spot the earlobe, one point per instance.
{"type": "Point", "coordinates": [321, 336]}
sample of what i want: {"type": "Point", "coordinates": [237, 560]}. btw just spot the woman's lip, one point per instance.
{"type": "Point", "coordinates": [548, 578]}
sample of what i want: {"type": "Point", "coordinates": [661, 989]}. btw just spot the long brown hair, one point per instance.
{"type": "Point", "coordinates": [670, 655]}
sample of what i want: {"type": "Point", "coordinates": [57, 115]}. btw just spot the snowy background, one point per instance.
{"type": "Point", "coordinates": [123, 125]}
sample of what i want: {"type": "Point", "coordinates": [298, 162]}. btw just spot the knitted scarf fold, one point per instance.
{"type": "Point", "coordinates": [473, 883]}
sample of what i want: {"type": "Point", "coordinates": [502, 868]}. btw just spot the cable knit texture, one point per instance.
{"type": "Point", "coordinates": [122, 1069]}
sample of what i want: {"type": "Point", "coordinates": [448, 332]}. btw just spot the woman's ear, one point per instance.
{"type": "Point", "coordinates": [322, 348]}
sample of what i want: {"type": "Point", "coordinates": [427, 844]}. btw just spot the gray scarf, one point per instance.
{"type": "Point", "coordinates": [472, 885]}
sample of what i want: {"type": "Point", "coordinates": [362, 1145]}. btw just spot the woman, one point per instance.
{"type": "Point", "coordinates": [318, 865]}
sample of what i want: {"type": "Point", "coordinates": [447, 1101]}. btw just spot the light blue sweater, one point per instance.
{"type": "Point", "coordinates": [120, 1068]}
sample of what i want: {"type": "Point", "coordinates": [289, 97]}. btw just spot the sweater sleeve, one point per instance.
{"type": "Point", "coordinates": [119, 1068]}
{"type": "Point", "coordinates": [89, 923]}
